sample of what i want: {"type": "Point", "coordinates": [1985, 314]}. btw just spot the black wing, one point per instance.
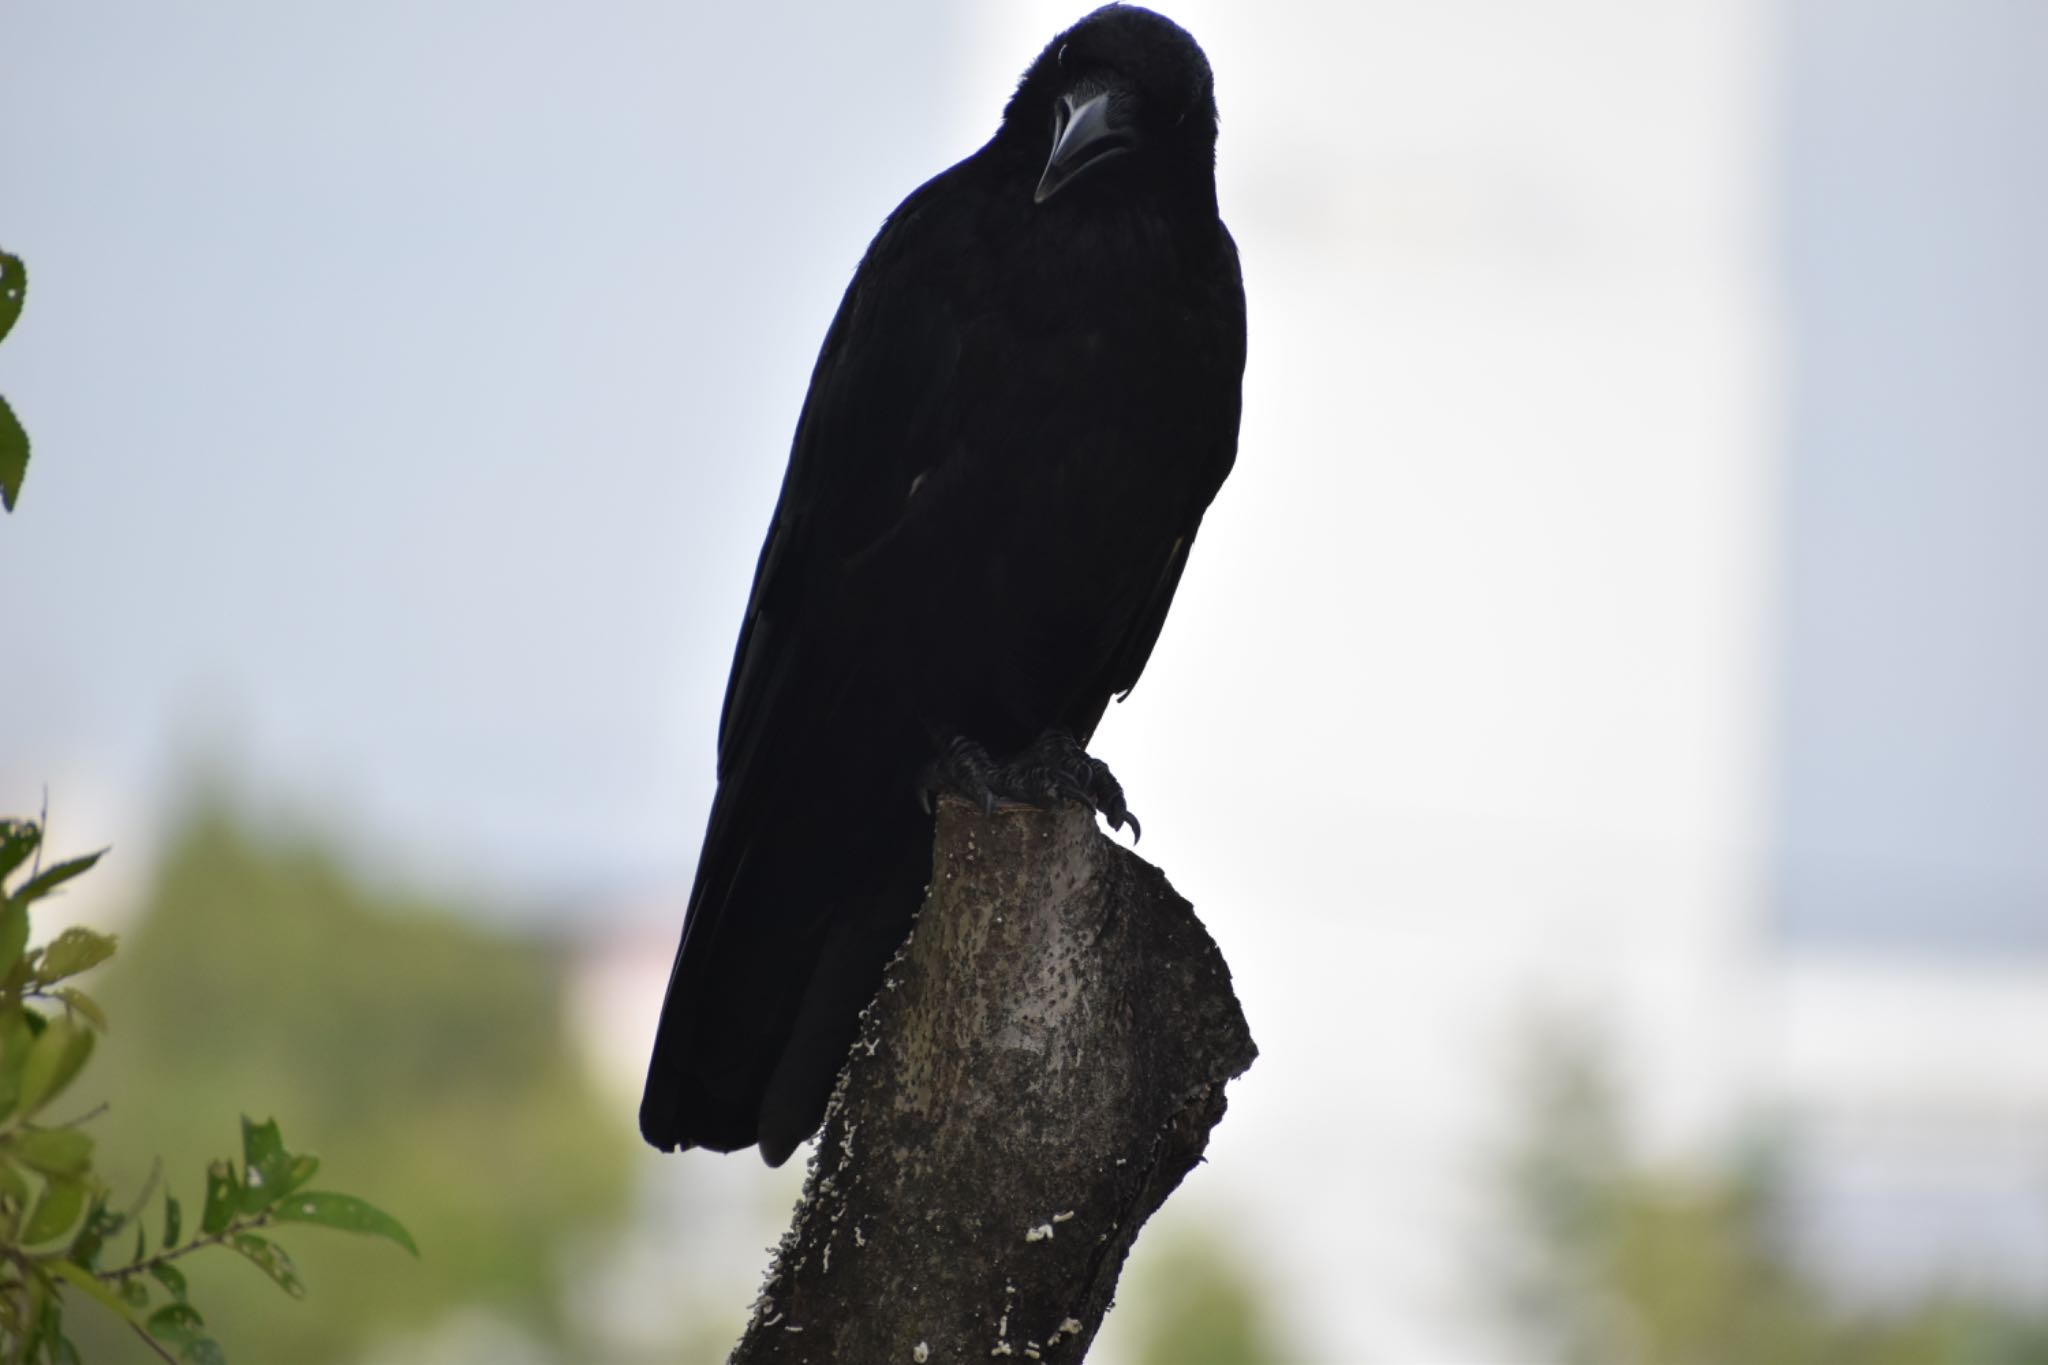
{"type": "Point", "coordinates": [755, 924]}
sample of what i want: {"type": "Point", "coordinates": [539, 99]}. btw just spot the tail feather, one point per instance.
{"type": "Point", "coordinates": [778, 956]}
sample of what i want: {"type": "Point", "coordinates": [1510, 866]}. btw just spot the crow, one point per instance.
{"type": "Point", "coordinates": [1023, 407]}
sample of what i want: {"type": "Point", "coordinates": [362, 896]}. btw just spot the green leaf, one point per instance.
{"type": "Point", "coordinates": [304, 1167]}
{"type": "Point", "coordinates": [171, 1278]}
{"type": "Point", "coordinates": [13, 291]}
{"type": "Point", "coordinates": [134, 1292]}
{"type": "Point", "coordinates": [13, 440]}
{"type": "Point", "coordinates": [77, 1000]}
{"type": "Point", "coordinates": [270, 1258]}
{"type": "Point", "coordinates": [73, 951]}
{"type": "Point", "coordinates": [13, 455]}
{"type": "Point", "coordinates": [53, 1151]}
{"type": "Point", "coordinates": [54, 1062]}
{"type": "Point", "coordinates": [267, 1165]}
{"type": "Point", "coordinates": [63, 1200]}
{"type": "Point", "coordinates": [16, 979]}
{"type": "Point", "coordinates": [343, 1211]}
{"type": "Point", "coordinates": [48, 1337]}
{"type": "Point", "coordinates": [53, 877]}
{"type": "Point", "coordinates": [58, 1348]}
{"type": "Point", "coordinates": [176, 1320]}
{"type": "Point", "coordinates": [45, 1314]}
{"type": "Point", "coordinates": [172, 1217]}
{"type": "Point", "coordinates": [17, 1040]}
{"type": "Point", "coordinates": [18, 839]}
{"type": "Point", "coordinates": [221, 1196]}
{"type": "Point", "coordinates": [180, 1325]}
{"type": "Point", "coordinates": [13, 1204]}
{"type": "Point", "coordinates": [100, 1224]}
{"type": "Point", "coordinates": [13, 932]}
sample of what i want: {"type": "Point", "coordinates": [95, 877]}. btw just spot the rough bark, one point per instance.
{"type": "Point", "coordinates": [1041, 1067]}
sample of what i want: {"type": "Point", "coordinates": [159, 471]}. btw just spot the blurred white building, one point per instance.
{"type": "Point", "coordinates": [1901, 1050]}
{"type": "Point", "coordinates": [1910, 1096]}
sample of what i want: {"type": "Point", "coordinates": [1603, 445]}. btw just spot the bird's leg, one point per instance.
{"type": "Point", "coordinates": [1054, 769]}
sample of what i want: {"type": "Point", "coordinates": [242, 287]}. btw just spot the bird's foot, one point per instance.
{"type": "Point", "coordinates": [965, 769]}
{"type": "Point", "coordinates": [1052, 770]}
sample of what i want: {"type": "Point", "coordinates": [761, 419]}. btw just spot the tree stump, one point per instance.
{"type": "Point", "coordinates": [1042, 1065]}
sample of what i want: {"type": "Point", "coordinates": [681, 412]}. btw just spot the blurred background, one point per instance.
{"type": "Point", "coordinates": [1602, 725]}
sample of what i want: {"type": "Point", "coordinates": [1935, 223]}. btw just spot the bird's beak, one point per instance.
{"type": "Point", "coordinates": [1084, 138]}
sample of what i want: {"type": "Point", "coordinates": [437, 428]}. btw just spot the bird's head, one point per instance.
{"type": "Point", "coordinates": [1121, 103]}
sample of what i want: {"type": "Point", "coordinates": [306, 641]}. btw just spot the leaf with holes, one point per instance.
{"type": "Point", "coordinates": [71, 952]}
{"type": "Point", "coordinates": [343, 1211]}
{"type": "Point", "coordinates": [267, 1165]}
{"type": "Point", "coordinates": [171, 1278]}
{"type": "Point", "coordinates": [270, 1258]}
{"type": "Point", "coordinates": [179, 1325]}
{"type": "Point", "coordinates": [221, 1196]}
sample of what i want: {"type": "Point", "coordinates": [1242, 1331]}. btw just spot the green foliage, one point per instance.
{"type": "Point", "coordinates": [429, 1048]}
{"type": "Point", "coordinates": [13, 440]}
{"type": "Point", "coordinates": [55, 1219]}
{"type": "Point", "coordinates": [1193, 1302]}
{"type": "Point", "coordinates": [1629, 1263]}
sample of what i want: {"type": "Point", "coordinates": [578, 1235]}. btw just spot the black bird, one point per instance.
{"type": "Point", "coordinates": [1027, 399]}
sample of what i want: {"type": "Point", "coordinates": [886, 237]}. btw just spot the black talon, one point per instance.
{"type": "Point", "coordinates": [964, 768]}
{"type": "Point", "coordinates": [1054, 769]}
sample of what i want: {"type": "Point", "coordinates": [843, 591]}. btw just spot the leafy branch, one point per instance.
{"type": "Point", "coordinates": [54, 1216]}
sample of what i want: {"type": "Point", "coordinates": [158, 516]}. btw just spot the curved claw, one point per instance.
{"type": "Point", "coordinates": [1053, 770]}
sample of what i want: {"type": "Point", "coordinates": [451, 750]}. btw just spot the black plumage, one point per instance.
{"type": "Point", "coordinates": [1025, 404]}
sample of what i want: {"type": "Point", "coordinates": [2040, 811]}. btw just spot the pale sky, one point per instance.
{"type": "Point", "coordinates": [410, 386]}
